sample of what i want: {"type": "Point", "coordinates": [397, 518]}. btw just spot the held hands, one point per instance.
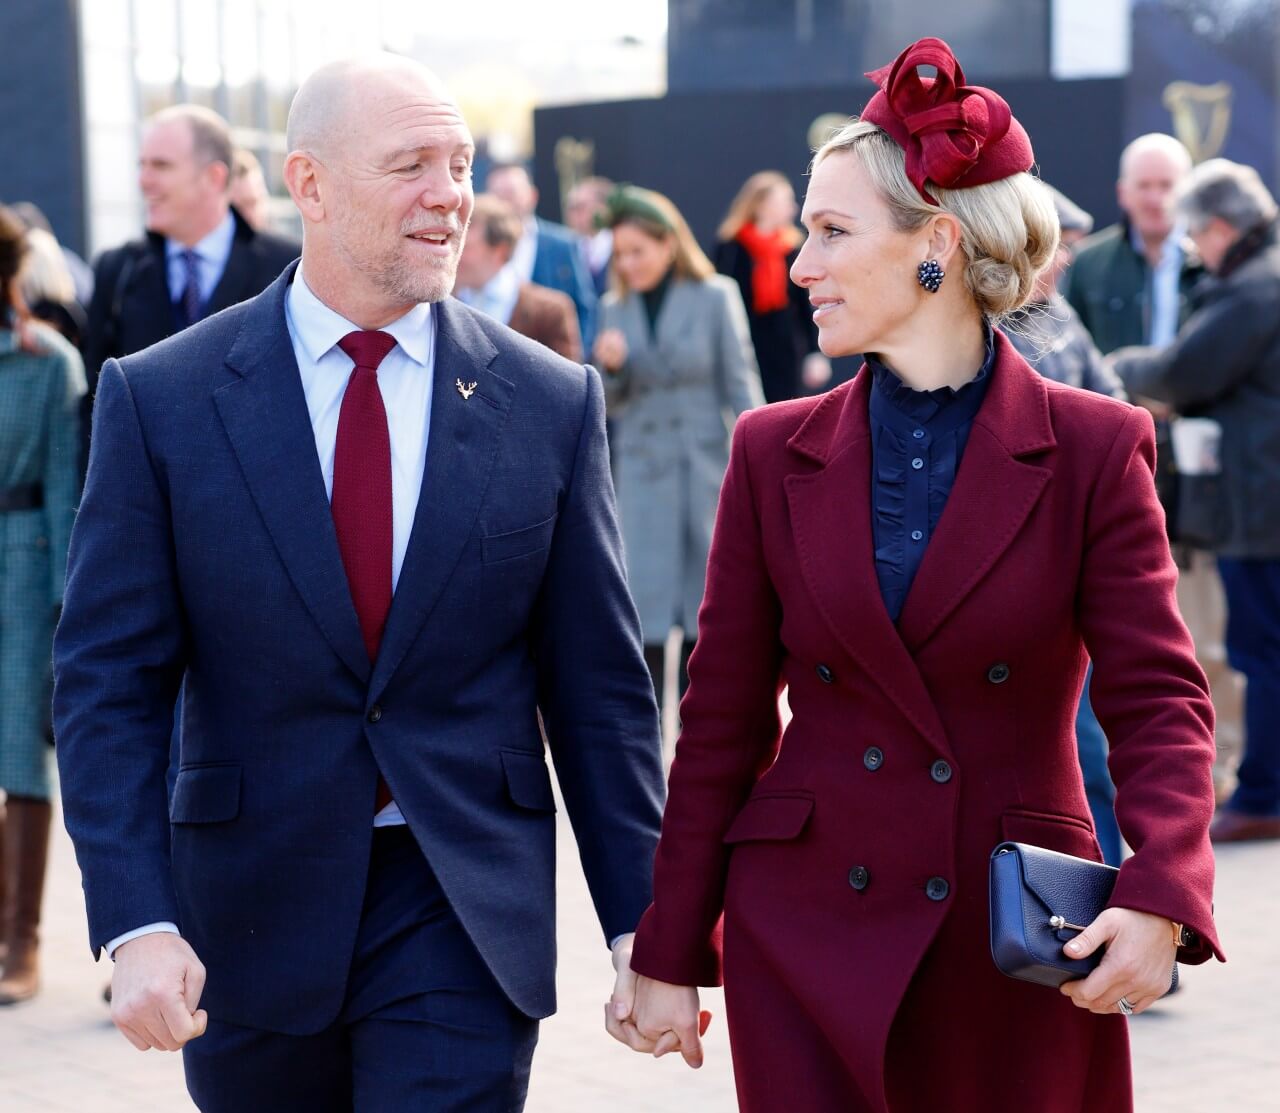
{"type": "Point", "coordinates": [654, 1017]}
{"type": "Point", "coordinates": [1136, 966]}
{"type": "Point", "coordinates": [610, 350]}
{"type": "Point", "coordinates": [155, 991]}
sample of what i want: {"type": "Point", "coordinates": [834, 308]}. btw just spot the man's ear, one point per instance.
{"type": "Point", "coordinates": [219, 176]}
{"type": "Point", "coordinates": [302, 178]}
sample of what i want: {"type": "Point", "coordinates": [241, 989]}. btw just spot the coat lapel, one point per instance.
{"type": "Point", "coordinates": [461, 445]}
{"type": "Point", "coordinates": [831, 520]}
{"type": "Point", "coordinates": [265, 415]}
{"type": "Point", "coordinates": [233, 286]}
{"type": "Point", "coordinates": [994, 493]}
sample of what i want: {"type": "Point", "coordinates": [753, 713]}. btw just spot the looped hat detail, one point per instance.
{"type": "Point", "coordinates": [954, 135]}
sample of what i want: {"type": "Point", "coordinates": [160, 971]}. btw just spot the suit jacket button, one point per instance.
{"type": "Point", "coordinates": [859, 877]}
{"type": "Point", "coordinates": [940, 772]}
{"type": "Point", "coordinates": [826, 675]}
{"type": "Point", "coordinates": [873, 758]}
{"type": "Point", "coordinates": [998, 673]}
{"type": "Point", "coordinates": [937, 888]}
{"type": "Point", "coordinates": [375, 713]}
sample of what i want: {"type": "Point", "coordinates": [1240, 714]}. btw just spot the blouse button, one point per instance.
{"type": "Point", "coordinates": [917, 535]}
{"type": "Point", "coordinates": [826, 675]}
{"type": "Point", "coordinates": [873, 758]}
{"type": "Point", "coordinates": [917, 463]}
{"type": "Point", "coordinates": [918, 434]}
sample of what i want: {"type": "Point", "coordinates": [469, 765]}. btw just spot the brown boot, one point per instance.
{"type": "Point", "coordinates": [26, 856]}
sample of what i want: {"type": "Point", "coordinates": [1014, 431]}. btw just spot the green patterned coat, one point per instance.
{"type": "Point", "coordinates": [39, 443]}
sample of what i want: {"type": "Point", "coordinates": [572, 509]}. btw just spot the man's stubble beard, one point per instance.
{"type": "Point", "coordinates": [393, 272]}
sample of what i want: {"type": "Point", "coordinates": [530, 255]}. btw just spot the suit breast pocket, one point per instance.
{"type": "Point", "coordinates": [496, 548]}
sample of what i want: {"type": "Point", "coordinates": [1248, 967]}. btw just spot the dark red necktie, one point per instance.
{"type": "Point", "coordinates": [361, 501]}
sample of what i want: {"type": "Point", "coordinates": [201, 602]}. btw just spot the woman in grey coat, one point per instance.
{"type": "Point", "coordinates": [41, 381]}
{"type": "Point", "coordinates": [675, 347]}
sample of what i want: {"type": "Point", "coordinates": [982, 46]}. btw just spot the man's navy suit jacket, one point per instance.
{"type": "Point", "coordinates": [559, 264]}
{"type": "Point", "coordinates": [205, 547]}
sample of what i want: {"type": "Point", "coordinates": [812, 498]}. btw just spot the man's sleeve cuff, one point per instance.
{"type": "Point", "coordinates": [129, 936]}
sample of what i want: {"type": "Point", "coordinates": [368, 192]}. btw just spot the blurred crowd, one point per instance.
{"type": "Point", "coordinates": [1173, 307]}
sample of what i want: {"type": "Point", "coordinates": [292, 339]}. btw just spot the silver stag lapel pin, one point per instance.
{"type": "Point", "coordinates": [465, 389]}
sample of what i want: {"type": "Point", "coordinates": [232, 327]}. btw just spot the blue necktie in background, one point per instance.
{"type": "Point", "coordinates": [191, 299]}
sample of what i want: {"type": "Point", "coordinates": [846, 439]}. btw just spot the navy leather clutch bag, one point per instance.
{"type": "Point", "coordinates": [1040, 900]}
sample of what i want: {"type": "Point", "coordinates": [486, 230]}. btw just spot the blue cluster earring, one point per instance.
{"type": "Point", "coordinates": [930, 275]}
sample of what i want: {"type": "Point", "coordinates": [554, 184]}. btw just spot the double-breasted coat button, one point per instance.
{"type": "Point", "coordinates": [937, 888]}
{"type": "Point", "coordinates": [998, 673]}
{"type": "Point", "coordinates": [859, 877]}
{"type": "Point", "coordinates": [375, 713]}
{"type": "Point", "coordinates": [940, 772]}
{"type": "Point", "coordinates": [826, 675]}
{"type": "Point", "coordinates": [873, 758]}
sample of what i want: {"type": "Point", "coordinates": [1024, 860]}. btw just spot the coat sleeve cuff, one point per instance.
{"type": "Point", "coordinates": [684, 962]}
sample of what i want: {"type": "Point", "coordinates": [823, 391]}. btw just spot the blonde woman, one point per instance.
{"type": "Point", "coordinates": [926, 557]}
{"type": "Point", "coordinates": [678, 367]}
{"type": "Point", "coordinates": [758, 242]}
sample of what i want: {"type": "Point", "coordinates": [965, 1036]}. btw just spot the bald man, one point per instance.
{"type": "Point", "coordinates": [1130, 282]}
{"type": "Point", "coordinates": [375, 532]}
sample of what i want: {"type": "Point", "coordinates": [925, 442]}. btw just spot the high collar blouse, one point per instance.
{"type": "Point", "coordinates": [917, 439]}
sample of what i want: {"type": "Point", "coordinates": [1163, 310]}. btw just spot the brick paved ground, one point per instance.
{"type": "Point", "coordinates": [1213, 1048]}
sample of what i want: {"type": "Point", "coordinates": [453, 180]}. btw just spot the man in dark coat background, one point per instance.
{"type": "Point", "coordinates": [199, 255]}
{"type": "Point", "coordinates": [1225, 366]}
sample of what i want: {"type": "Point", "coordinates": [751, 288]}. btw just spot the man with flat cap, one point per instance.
{"type": "Point", "coordinates": [375, 533]}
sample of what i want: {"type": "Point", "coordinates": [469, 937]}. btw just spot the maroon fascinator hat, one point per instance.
{"type": "Point", "coordinates": [954, 135]}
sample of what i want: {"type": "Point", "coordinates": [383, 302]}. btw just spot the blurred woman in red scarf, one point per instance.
{"type": "Point", "coordinates": [759, 240]}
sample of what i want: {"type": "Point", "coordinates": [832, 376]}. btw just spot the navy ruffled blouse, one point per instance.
{"type": "Point", "coordinates": [917, 440]}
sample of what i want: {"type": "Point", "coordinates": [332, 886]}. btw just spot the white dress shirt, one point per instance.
{"type": "Point", "coordinates": [404, 379]}
{"type": "Point", "coordinates": [1166, 275]}
{"type": "Point", "coordinates": [496, 298]}
{"type": "Point", "coordinates": [526, 251]}
{"type": "Point", "coordinates": [212, 254]}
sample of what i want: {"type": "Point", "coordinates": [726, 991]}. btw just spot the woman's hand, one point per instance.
{"type": "Point", "coordinates": [610, 351]}
{"type": "Point", "coordinates": [653, 1017]}
{"type": "Point", "coordinates": [1137, 966]}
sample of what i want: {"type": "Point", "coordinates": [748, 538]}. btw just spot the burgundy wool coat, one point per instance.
{"type": "Point", "coordinates": [848, 854]}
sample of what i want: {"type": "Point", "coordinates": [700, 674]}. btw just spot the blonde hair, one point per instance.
{"type": "Point", "coordinates": [691, 262]}
{"type": "Point", "coordinates": [1009, 229]}
{"type": "Point", "coordinates": [44, 275]}
{"type": "Point", "coordinates": [745, 208]}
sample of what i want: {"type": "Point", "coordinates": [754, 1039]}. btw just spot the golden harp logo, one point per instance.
{"type": "Point", "coordinates": [1201, 116]}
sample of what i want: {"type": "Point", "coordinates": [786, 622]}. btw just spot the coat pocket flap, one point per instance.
{"type": "Point", "coordinates": [528, 780]}
{"type": "Point", "coordinates": [775, 817]}
{"type": "Point", "coordinates": [1051, 832]}
{"type": "Point", "coordinates": [206, 794]}
{"type": "Point", "coordinates": [517, 543]}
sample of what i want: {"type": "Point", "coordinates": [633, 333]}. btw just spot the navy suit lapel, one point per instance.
{"type": "Point", "coordinates": [461, 445]}
{"type": "Point", "coordinates": [265, 415]}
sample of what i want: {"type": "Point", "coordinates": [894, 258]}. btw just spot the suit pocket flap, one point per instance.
{"type": "Point", "coordinates": [528, 780]}
{"type": "Point", "coordinates": [774, 817]}
{"type": "Point", "coordinates": [517, 543]}
{"type": "Point", "coordinates": [1051, 832]}
{"type": "Point", "coordinates": [206, 794]}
